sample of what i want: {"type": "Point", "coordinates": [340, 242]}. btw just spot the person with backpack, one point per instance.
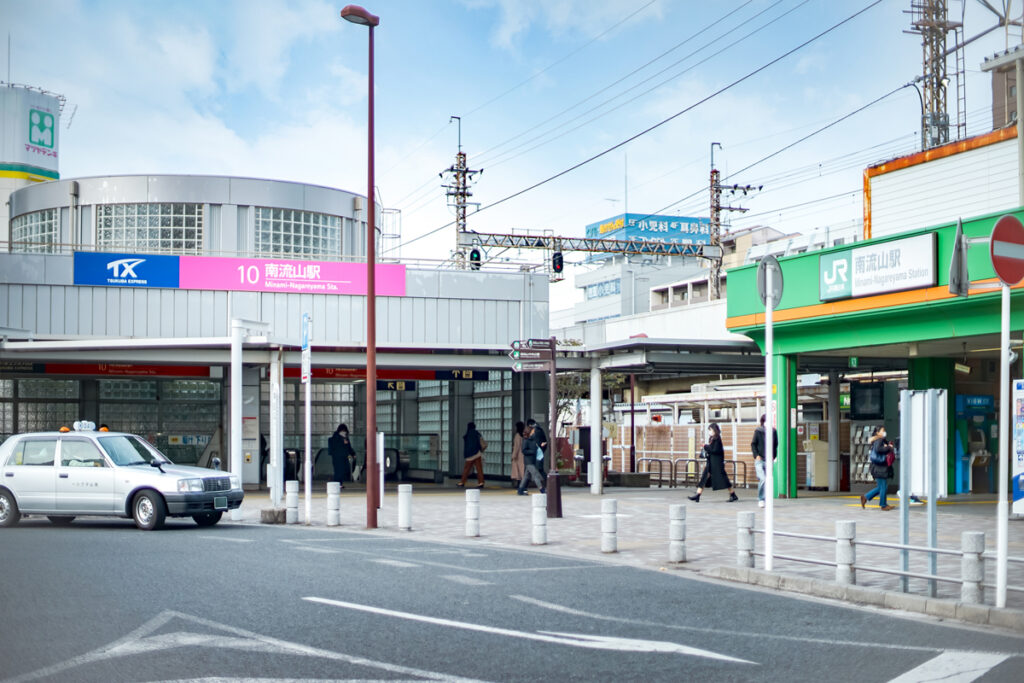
{"type": "Point", "coordinates": [881, 456]}
{"type": "Point", "coordinates": [757, 447]}
{"type": "Point", "coordinates": [473, 447]}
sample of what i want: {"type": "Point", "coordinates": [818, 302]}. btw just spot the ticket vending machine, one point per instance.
{"type": "Point", "coordinates": [976, 440]}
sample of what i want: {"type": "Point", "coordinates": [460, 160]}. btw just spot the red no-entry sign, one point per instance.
{"type": "Point", "coordinates": [1007, 249]}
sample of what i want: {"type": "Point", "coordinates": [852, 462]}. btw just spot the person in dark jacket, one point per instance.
{"type": "Point", "coordinates": [757, 448]}
{"type": "Point", "coordinates": [474, 455]}
{"type": "Point", "coordinates": [340, 448]}
{"type": "Point", "coordinates": [539, 436]}
{"type": "Point", "coordinates": [880, 468]}
{"type": "Point", "coordinates": [534, 469]}
{"type": "Point", "coordinates": [714, 471]}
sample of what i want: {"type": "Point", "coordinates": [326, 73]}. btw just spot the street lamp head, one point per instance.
{"type": "Point", "coordinates": [358, 15]}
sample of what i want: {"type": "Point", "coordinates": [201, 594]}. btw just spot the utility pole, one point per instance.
{"type": "Point", "coordinates": [715, 276]}
{"type": "Point", "coordinates": [929, 19]}
{"type": "Point", "coordinates": [457, 190]}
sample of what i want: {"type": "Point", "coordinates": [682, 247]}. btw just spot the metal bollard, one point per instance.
{"type": "Point", "coordinates": [473, 512]}
{"type": "Point", "coordinates": [677, 533]}
{"type": "Point", "coordinates": [405, 507]}
{"type": "Point", "coordinates": [846, 552]}
{"type": "Point", "coordinates": [745, 539]}
{"type": "Point", "coordinates": [333, 503]}
{"type": "Point", "coordinates": [972, 567]}
{"type": "Point", "coordinates": [609, 525]}
{"type": "Point", "coordinates": [291, 502]}
{"type": "Point", "coordinates": [540, 518]}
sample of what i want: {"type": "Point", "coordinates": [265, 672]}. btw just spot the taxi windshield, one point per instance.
{"type": "Point", "coordinates": [129, 450]}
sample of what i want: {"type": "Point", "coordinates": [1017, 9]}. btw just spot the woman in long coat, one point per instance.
{"type": "Point", "coordinates": [473, 452]}
{"type": "Point", "coordinates": [714, 471]}
{"type": "Point", "coordinates": [340, 448]}
{"type": "Point", "coordinates": [517, 454]}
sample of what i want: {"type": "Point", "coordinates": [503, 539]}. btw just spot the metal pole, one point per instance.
{"type": "Point", "coordinates": [372, 494]}
{"type": "Point", "coordinates": [236, 404]}
{"type": "Point", "coordinates": [307, 469]}
{"type": "Point", "coordinates": [632, 422]}
{"type": "Point", "coordinates": [907, 446]}
{"type": "Point", "coordinates": [596, 426]}
{"type": "Point", "coordinates": [274, 471]}
{"type": "Point", "coordinates": [1005, 415]}
{"type": "Point", "coordinates": [1019, 68]}
{"type": "Point", "coordinates": [934, 457]}
{"type": "Point", "coordinates": [769, 426]}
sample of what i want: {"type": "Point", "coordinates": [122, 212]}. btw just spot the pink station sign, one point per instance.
{"type": "Point", "coordinates": [299, 277]}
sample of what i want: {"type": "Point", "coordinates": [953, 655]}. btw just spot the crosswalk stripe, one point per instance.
{"type": "Point", "coordinates": [953, 667]}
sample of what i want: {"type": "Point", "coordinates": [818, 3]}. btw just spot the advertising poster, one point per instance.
{"type": "Point", "coordinates": [1017, 450]}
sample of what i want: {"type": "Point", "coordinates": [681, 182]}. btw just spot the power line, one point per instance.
{"type": "Point", "coordinates": [670, 118]}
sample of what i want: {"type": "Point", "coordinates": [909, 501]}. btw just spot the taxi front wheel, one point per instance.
{"type": "Point", "coordinates": [149, 510]}
{"type": "Point", "coordinates": [9, 514]}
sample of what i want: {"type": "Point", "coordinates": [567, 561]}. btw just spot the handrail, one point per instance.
{"type": "Point", "coordinates": [661, 468]}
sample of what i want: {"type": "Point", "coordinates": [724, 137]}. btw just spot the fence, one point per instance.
{"type": "Point", "coordinates": [690, 473]}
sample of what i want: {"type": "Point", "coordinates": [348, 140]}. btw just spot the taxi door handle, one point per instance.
{"type": "Point", "coordinates": [63, 475]}
{"type": "Point", "coordinates": [8, 474]}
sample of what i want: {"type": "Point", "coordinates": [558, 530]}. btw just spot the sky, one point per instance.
{"type": "Point", "coordinates": [547, 92]}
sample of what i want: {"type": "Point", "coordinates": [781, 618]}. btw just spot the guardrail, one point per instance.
{"type": "Point", "coordinates": [661, 469]}
{"type": "Point", "coordinates": [738, 469]}
{"type": "Point", "coordinates": [971, 553]}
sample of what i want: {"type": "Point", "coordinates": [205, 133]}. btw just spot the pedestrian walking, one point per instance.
{"type": "Point", "coordinates": [473, 445]}
{"type": "Point", "coordinates": [714, 471]}
{"type": "Point", "coordinates": [517, 453]}
{"type": "Point", "coordinates": [881, 456]}
{"type": "Point", "coordinates": [538, 434]}
{"type": "Point", "coordinates": [339, 447]}
{"type": "Point", "coordinates": [533, 460]}
{"type": "Point", "coordinates": [757, 446]}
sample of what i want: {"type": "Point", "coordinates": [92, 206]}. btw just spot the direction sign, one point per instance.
{"type": "Point", "coordinates": [530, 354]}
{"type": "Point", "coordinates": [1007, 250]}
{"type": "Point", "coordinates": [305, 331]}
{"type": "Point", "coordinates": [531, 366]}
{"type": "Point", "coordinates": [762, 266]}
{"type": "Point", "coordinates": [539, 343]}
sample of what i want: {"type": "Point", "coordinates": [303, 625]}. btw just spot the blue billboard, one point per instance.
{"type": "Point", "coordinates": [126, 270]}
{"type": "Point", "coordinates": [642, 226]}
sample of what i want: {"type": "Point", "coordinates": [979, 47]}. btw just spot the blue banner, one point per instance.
{"type": "Point", "coordinates": [126, 270]}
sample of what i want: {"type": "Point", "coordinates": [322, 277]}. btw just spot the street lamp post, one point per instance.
{"type": "Point", "coordinates": [358, 15]}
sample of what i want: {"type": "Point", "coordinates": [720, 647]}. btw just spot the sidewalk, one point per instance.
{"type": "Point", "coordinates": [438, 514]}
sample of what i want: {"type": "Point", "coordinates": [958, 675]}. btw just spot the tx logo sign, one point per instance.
{"type": "Point", "coordinates": [125, 267]}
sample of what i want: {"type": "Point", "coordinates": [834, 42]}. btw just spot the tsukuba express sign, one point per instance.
{"type": "Point", "coordinates": [890, 266]}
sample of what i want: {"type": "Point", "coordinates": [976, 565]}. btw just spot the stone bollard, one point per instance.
{"type": "Point", "coordinates": [745, 538]}
{"type": "Point", "coordinates": [846, 552]}
{"type": "Point", "coordinates": [609, 525]}
{"type": "Point", "coordinates": [333, 503]}
{"type": "Point", "coordinates": [473, 512]}
{"type": "Point", "coordinates": [677, 533]}
{"type": "Point", "coordinates": [972, 567]}
{"type": "Point", "coordinates": [291, 502]}
{"type": "Point", "coordinates": [405, 507]}
{"type": "Point", "coordinates": [540, 518]}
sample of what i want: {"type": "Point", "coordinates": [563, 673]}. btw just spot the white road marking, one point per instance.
{"type": "Point", "coordinates": [227, 538]}
{"type": "Point", "coordinates": [396, 563]}
{"type": "Point", "coordinates": [953, 667]}
{"type": "Point", "coordinates": [322, 551]}
{"type": "Point", "coordinates": [572, 639]}
{"type": "Point", "coordinates": [466, 580]}
{"type": "Point", "coordinates": [143, 640]}
{"type": "Point", "coordinates": [731, 632]}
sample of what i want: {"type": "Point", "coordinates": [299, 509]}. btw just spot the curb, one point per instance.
{"type": "Point", "coordinates": [1009, 618]}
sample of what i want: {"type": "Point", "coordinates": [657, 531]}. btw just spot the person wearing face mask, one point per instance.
{"type": "Point", "coordinates": [714, 471]}
{"type": "Point", "coordinates": [340, 448]}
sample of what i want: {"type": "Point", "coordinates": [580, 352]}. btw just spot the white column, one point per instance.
{"type": "Point", "coordinates": [1005, 415]}
{"type": "Point", "coordinates": [274, 470]}
{"type": "Point", "coordinates": [596, 425]}
{"type": "Point", "coordinates": [237, 329]}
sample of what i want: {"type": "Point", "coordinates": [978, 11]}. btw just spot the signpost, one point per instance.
{"type": "Point", "coordinates": [769, 287]}
{"type": "Point", "coordinates": [307, 471]}
{"type": "Point", "coordinates": [538, 355]}
{"type": "Point", "coordinates": [1006, 250]}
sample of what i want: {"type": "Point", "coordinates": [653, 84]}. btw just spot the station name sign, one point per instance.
{"type": "Point", "coordinates": [234, 274]}
{"type": "Point", "coordinates": [892, 266]}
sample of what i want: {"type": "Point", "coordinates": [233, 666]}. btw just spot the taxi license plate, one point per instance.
{"type": "Point", "coordinates": [220, 503]}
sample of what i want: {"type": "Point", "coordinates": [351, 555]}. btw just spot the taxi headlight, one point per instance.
{"type": "Point", "coordinates": [190, 485]}
{"type": "Point", "coordinates": [236, 483]}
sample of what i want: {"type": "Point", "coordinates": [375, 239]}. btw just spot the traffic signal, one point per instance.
{"type": "Point", "coordinates": [474, 258]}
{"type": "Point", "coordinates": [556, 262]}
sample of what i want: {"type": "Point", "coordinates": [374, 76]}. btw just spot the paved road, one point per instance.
{"type": "Point", "coordinates": [101, 601]}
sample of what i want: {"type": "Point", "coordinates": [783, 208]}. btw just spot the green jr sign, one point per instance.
{"type": "Point", "coordinates": [834, 276]}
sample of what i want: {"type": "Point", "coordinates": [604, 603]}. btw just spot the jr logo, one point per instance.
{"type": "Point", "coordinates": [40, 128]}
{"type": "Point", "coordinates": [837, 274]}
{"type": "Point", "coordinates": [125, 267]}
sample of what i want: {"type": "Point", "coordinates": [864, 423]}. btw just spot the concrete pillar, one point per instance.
{"type": "Point", "coordinates": [677, 533]}
{"type": "Point", "coordinates": [972, 567]}
{"type": "Point", "coordinates": [405, 507]}
{"type": "Point", "coordinates": [473, 512]}
{"type": "Point", "coordinates": [745, 538]}
{"type": "Point", "coordinates": [609, 525]}
{"type": "Point", "coordinates": [846, 552]}
{"type": "Point", "coordinates": [539, 503]}
{"type": "Point", "coordinates": [291, 502]}
{"type": "Point", "coordinates": [333, 503]}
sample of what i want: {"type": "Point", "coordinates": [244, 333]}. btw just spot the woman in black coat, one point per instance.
{"type": "Point", "coordinates": [340, 448]}
{"type": "Point", "coordinates": [714, 471]}
{"type": "Point", "coordinates": [473, 446]}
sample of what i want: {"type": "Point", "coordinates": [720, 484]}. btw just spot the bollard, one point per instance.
{"type": "Point", "coordinates": [609, 525]}
{"type": "Point", "coordinates": [405, 507]}
{"type": "Point", "coordinates": [846, 552]}
{"type": "Point", "coordinates": [540, 518]}
{"type": "Point", "coordinates": [291, 502]}
{"type": "Point", "coordinates": [677, 533]}
{"type": "Point", "coordinates": [473, 512]}
{"type": "Point", "coordinates": [333, 503]}
{"type": "Point", "coordinates": [745, 539]}
{"type": "Point", "coordinates": [972, 567]}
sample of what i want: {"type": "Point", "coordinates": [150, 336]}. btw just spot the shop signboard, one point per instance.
{"type": "Point", "coordinates": [892, 266]}
{"type": "Point", "coordinates": [1017, 452]}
